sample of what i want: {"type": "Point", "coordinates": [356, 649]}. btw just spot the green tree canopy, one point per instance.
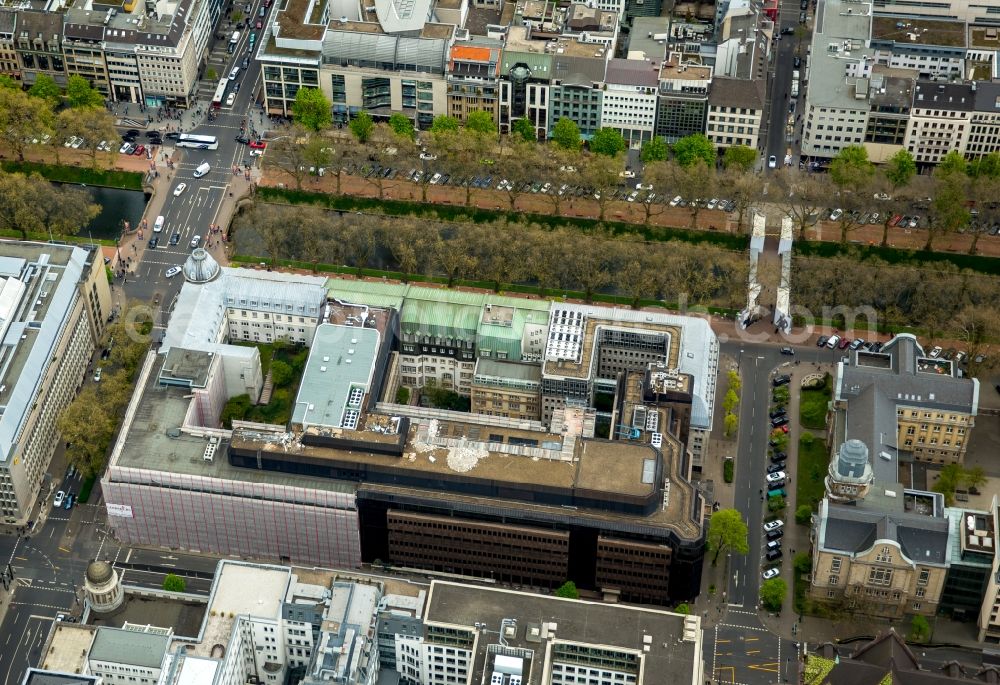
{"type": "Point", "coordinates": [45, 88]}
{"type": "Point", "coordinates": [655, 150]}
{"type": "Point", "coordinates": [523, 128]}
{"type": "Point", "coordinates": [772, 593]}
{"type": "Point", "coordinates": [566, 134]}
{"type": "Point", "coordinates": [444, 124]}
{"type": "Point", "coordinates": [79, 93]}
{"type": "Point", "coordinates": [568, 590]}
{"type": "Point", "coordinates": [9, 83]}
{"type": "Point", "coordinates": [402, 125]}
{"type": "Point", "coordinates": [281, 373]}
{"type": "Point", "coordinates": [739, 157]}
{"type": "Point", "coordinates": [608, 142]}
{"type": "Point", "coordinates": [851, 168]}
{"type": "Point", "coordinates": [362, 127]}
{"type": "Point", "coordinates": [988, 166]}
{"type": "Point", "coordinates": [900, 168]}
{"type": "Point", "coordinates": [803, 514]}
{"type": "Point", "coordinates": [683, 608]}
{"type": "Point", "coordinates": [727, 530]}
{"type": "Point", "coordinates": [952, 163]}
{"type": "Point", "coordinates": [481, 122]}
{"type": "Point", "coordinates": [689, 149]}
{"type": "Point", "coordinates": [920, 629]}
{"type": "Point", "coordinates": [311, 109]}
{"type": "Point", "coordinates": [174, 583]}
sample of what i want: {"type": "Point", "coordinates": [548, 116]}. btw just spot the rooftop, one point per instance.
{"type": "Point", "coordinates": [922, 539]}
{"type": "Point", "coordinates": [648, 37]}
{"type": "Point", "coordinates": [838, 44]}
{"type": "Point", "coordinates": [501, 368]}
{"type": "Point", "coordinates": [891, 93]}
{"type": "Point", "coordinates": [144, 649]}
{"type": "Point", "coordinates": [916, 31]}
{"type": "Point", "coordinates": [950, 96]}
{"type": "Point", "coordinates": [676, 69]}
{"type": "Point", "coordinates": [633, 72]}
{"type": "Point", "coordinates": [734, 92]}
{"type": "Point", "coordinates": [230, 600]}
{"type": "Point", "coordinates": [337, 376]}
{"type": "Point", "coordinates": [519, 40]}
{"type": "Point", "coordinates": [984, 37]}
{"type": "Point", "coordinates": [35, 676]}
{"type": "Point", "coordinates": [655, 646]}
{"type": "Point", "coordinates": [66, 651]}
{"type": "Point", "coordinates": [38, 288]}
{"type": "Point", "coordinates": [184, 616]}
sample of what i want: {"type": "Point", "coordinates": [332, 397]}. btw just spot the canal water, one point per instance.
{"type": "Point", "coordinates": [116, 205]}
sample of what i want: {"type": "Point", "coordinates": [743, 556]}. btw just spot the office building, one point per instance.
{"type": "Point", "coordinates": [509, 389]}
{"type": "Point", "coordinates": [682, 103]}
{"type": "Point", "coordinates": [473, 78]}
{"type": "Point", "coordinates": [54, 307]}
{"type": "Point", "coordinates": [989, 611]}
{"type": "Point", "coordinates": [735, 112]}
{"type": "Point", "coordinates": [132, 654]}
{"type": "Point", "coordinates": [630, 99]}
{"type": "Point", "coordinates": [878, 545]}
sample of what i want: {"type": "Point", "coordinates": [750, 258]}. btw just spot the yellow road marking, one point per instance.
{"type": "Point", "coordinates": [732, 674]}
{"type": "Point", "coordinates": [772, 667]}
{"type": "Point", "coordinates": [753, 651]}
{"type": "Point", "coordinates": [63, 549]}
{"type": "Point", "coordinates": [752, 639]}
{"type": "Point", "coordinates": [722, 641]}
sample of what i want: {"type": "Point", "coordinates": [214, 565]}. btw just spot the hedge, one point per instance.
{"type": "Point", "coordinates": [126, 180]}
{"type": "Point", "coordinates": [894, 255]}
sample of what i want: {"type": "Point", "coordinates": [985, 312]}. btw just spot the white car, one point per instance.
{"type": "Point", "coordinates": [882, 196]}
{"type": "Point", "coordinates": [936, 352]}
{"type": "Point", "coordinates": [773, 525]}
{"type": "Point", "coordinates": [713, 203]}
{"type": "Point", "coordinates": [59, 499]}
{"type": "Point", "coordinates": [234, 73]}
{"type": "Point", "coordinates": [196, 241]}
{"type": "Point", "coordinates": [181, 187]}
{"type": "Point", "coordinates": [76, 145]}
{"type": "Point", "coordinates": [771, 573]}
{"type": "Point", "coordinates": [126, 149]}
{"type": "Point", "coordinates": [256, 152]}
{"type": "Point", "coordinates": [778, 477]}
{"type": "Point", "coordinates": [172, 271]}
{"type": "Point", "coordinates": [676, 201]}
{"type": "Point", "coordinates": [572, 170]}
{"type": "Point", "coordinates": [639, 186]}
{"type": "Point", "coordinates": [546, 188]}
{"type": "Point", "coordinates": [435, 179]}
{"type": "Point", "coordinates": [836, 214]}
{"type": "Point", "coordinates": [97, 374]}
{"type": "Point", "coordinates": [69, 143]}
{"type": "Point", "coordinates": [634, 194]}
{"type": "Point", "coordinates": [428, 157]}
{"type": "Point", "coordinates": [102, 145]}
{"type": "Point", "coordinates": [772, 162]}
{"type": "Point", "coordinates": [628, 173]}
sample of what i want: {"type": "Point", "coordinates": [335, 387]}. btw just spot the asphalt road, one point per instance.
{"type": "Point", "coordinates": [781, 79]}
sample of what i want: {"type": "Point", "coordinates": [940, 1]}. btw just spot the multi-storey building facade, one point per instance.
{"type": "Point", "coordinates": [683, 98]}
{"type": "Point", "coordinates": [38, 42]}
{"type": "Point", "coordinates": [56, 303]}
{"type": "Point", "coordinates": [735, 112]}
{"type": "Point", "coordinates": [509, 389]}
{"type": "Point", "coordinates": [473, 78]}
{"type": "Point", "coordinates": [940, 120]}
{"type": "Point", "coordinates": [83, 48]}
{"type": "Point", "coordinates": [9, 65]}
{"type": "Point", "coordinates": [630, 99]}
{"type": "Point", "coordinates": [133, 654]}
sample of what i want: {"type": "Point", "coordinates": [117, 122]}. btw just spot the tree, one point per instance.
{"type": "Point", "coordinates": [311, 109]}
{"type": "Point", "coordinates": [607, 141]}
{"type": "Point", "coordinates": [851, 169]}
{"type": "Point", "coordinates": [900, 169]}
{"type": "Point", "coordinates": [949, 211]}
{"type": "Point", "coordinates": [655, 150]}
{"type": "Point", "coordinates": [566, 134]}
{"type": "Point", "coordinates": [693, 148]}
{"type": "Point", "coordinates": [730, 401]}
{"type": "Point", "coordinates": [21, 118]}
{"type": "Point", "coordinates": [974, 477]}
{"type": "Point", "coordinates": [402, 126]}
{"type": "Point", "coordinates": [174, 583]}
{"type": "Point", "coordinates": [318, 154]}
{"type": "Point", "coordinates": [802, 563]}
{"type": "Point", "coordinates": [568, 590]}
{"type": "Point", "coordinates": [444, 124]}
{"type": "Point", "coordinates": [88, 426]}
{"type": "Point", "coordinates": [63, 210]}
{"type": "Point", "coordinates": [362, 127]}
{"type": "Point", "coordinates": [17, 204]}
{"type": "Point", "coordinates": [94, 124]}
{"type": "Point", "coordinates": [976, 326]}
{"type": "Point", "coordinates": [731, 422]}
{"type": "Point", "coordinates": [920, 629]}
{"type": "Point", "coordinates": [683, 608]}
{"type": "Point", "coordinates": [695, 180]}
{"type": "Point", "coordinates": [8, 83]}
{"type": "Point", "coordinates": [739, 158]}
{"type": "Point", "coordinates": [949, 478]}
{"type": "Point", "coordinates": [45, 88]}
{"type": "Point", "coordinates": [772, 593]}
{"type": "Point", "coordinates": [804, 196]}
{"type": "Point", "coordinates": [281, 373]}
{"type": "Point", "coordinates": [988, 166]}
{"type": "Point", "coordinates": [803, 515]}
{"type": "Point", "coordinates": [481, 122]}
{"type": "Point", "coordinates": [211, 74]}
{"type": "Point", "coordinates": [286, 153]}
{"type": "Point", "coordinates": [952, 163]}
{"type": "Point", "coordinates": [743, 188]}
{"type": "Point", "coordinates": [601, 174]}
{"type": "Point", "coordinates": [79, 93]}
{"type": "Point", "coordinates": [727, 531]}
{"type": "Point", "coordinates": [523, 128]}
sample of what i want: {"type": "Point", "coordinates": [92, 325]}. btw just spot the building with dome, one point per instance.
{"type": "Point", "coordinates": [103, 587]}
{"type": "Point", "coordinates": [200, 267]}
{"type": "Point", "coordinates": [850, 475]}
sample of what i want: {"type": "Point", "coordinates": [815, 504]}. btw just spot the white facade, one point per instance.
{"type": "Point", "coordinates": [630, 110]}
{"type": "Point", "coordinates": [828, 130]}
{"type": "Point", "coordinates": [933, 133]}
{"type": "Point", "coordinates": [443, 372]}
{"type": "Point", "coordinates": [728, 126]}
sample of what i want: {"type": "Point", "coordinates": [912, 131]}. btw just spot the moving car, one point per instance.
{"type": "Point", "coordinates": [153, 242]}
{"type": "Point", "coordinates": [234, 73]}
{"type": "Point", "coordinates": [175, 238]}
{"type": "Point", "coordinates": [97, 375]}
{"type": "Point", "coordinates": [788, 351]}
{"type": "Point", "coordinates": [258, 144]}
{"type": "Point", "coordinates": [772, 162]}
{"type": "Point", "coordinates": [202, 169]}
{"type": "Point", "coordinates": [196, 241]}
{"type": "Point", "coordinates": [69, 501]}
{"type": "Point", "coordinates": [179, 189]}
{"type": "Point", "coordinates": [59, 499]}
{"type": "Point", "coordinates": [172, 271]}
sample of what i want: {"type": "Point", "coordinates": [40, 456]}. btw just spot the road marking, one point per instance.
{"type": "Point", "coordinates": [770, 667]}
{"type": "Point", "coordinates": [732, 673]}
{"type": "Point", "coordinates": [717, 641]}
{"type": "Point", "coordinates": [753, 651]}
{"type": "Point", "coordinates": [63, 549]}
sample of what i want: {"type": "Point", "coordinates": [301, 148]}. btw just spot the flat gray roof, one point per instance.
{"type": "Point", "coordinates": [666, 646]}
{"type": "Point", "coordinates": [132, 647]}
{"type": "Point", "coordinates": [846, 24]}
{"type": "Point", "coordinates": [507, 369]}
{"type": "Point", "coordinates": [38, 288]}
{"type": "Point", "coordinates": [337, 376]}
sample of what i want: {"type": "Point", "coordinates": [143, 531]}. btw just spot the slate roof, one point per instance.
{"type": "Point", "coordinates": [578, 71]}
{"type": "Point", "coordinates": [951, 96]}
{"type": "Point", "coordinates": [922, 539]}
{"type": "Point", "coordinates": [130, 647]}
{"type": "Point", "coordinates": [734, 92]}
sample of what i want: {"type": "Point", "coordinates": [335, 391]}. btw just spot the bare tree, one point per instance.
{"type": "Point", "coordinates": [802, 196]}
{"type": "Point", "coordinates": [600, 173]}
{"type": "Point", "coordinates": [453, 258]}
{"type": "Point", "coordinates": [745, 188]}
{"type": "Point", "coordinates": [695, 182]}
{"type": "Point", "coordinates": [287, 153]}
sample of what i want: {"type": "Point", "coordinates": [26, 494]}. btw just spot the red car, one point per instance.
{"type": "Point", "coordinates": [139, 150]}
{"type": "Point", "coordinates": [257, 144]}
{"type": "Point", "coordinates": [845, 341]}
{"type": "Point", "coordinates": [259, 24]}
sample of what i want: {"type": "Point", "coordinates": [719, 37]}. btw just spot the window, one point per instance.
{"type": "Point", "coordinates": [835, 564]}
{"type": "Point", "coordinates": [884, 555]}
{"type": "Point", "coordinates": [880, 576]}
{"type": "Point", "coordinates": [924, 576]}
{"type": "Point", "coordinates": [834, 580]}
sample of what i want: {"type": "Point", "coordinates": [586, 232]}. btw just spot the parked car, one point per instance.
{"type": "Point", "coordinates": [833, 341]}
{"type": "Point", "coordinates": [772, 162]}
{"type": "Point", "coordinates": [195, 241]}
{"type": "Point", "coordinates": [775, 468]}
{"type": "Point", "coordinates": [779, 421]}
{"type": "Point", "coordinates": [777, 477]}
{"type": "Point", "coordinates": [773, 545]}
{"type": "Point", "coordinates": [153, 242]}
{"type": "Point", "coordinates": [773, 525]}
{"type": "Point", "coordinates": [935, 352]}
{"type": "Point", "coordinates": [773, 555]}
{"type": "Point", "coordinates": [172, 271]}
{"type": "Point", "coordinates": [844, 342]}
{"type": "Point", "coordinates": [97, 375]}
{"type": "Point", "coordinates": [774, 534]}
{"type": "Point", "coordinates": [772, 572]}
{"type": "Point", "coordinates": [822, 341]}
{"type": "Point", "coordinates": [836, 214]}
{"type": "Point", "coordinates": [778, 457]}
{"type": "Point", "coordinates": [775, 413]}
{"type": "Point", "coordinates": [781, 380]}
{"type": "Point", "coordinates": [59, 499]}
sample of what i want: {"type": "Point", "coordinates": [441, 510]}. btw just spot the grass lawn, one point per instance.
{"type": "Point", "coordinates": [813, 404]}
{"type": "Point", "coordinates": [814, 459]}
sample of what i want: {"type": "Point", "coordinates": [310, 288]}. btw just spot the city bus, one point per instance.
{"type": "Point", "coordinates": [198, 142]}
{"type": "Point", "coordinates": [233, 40]}
{"type": "Point", "coordinates": [220, 93]}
